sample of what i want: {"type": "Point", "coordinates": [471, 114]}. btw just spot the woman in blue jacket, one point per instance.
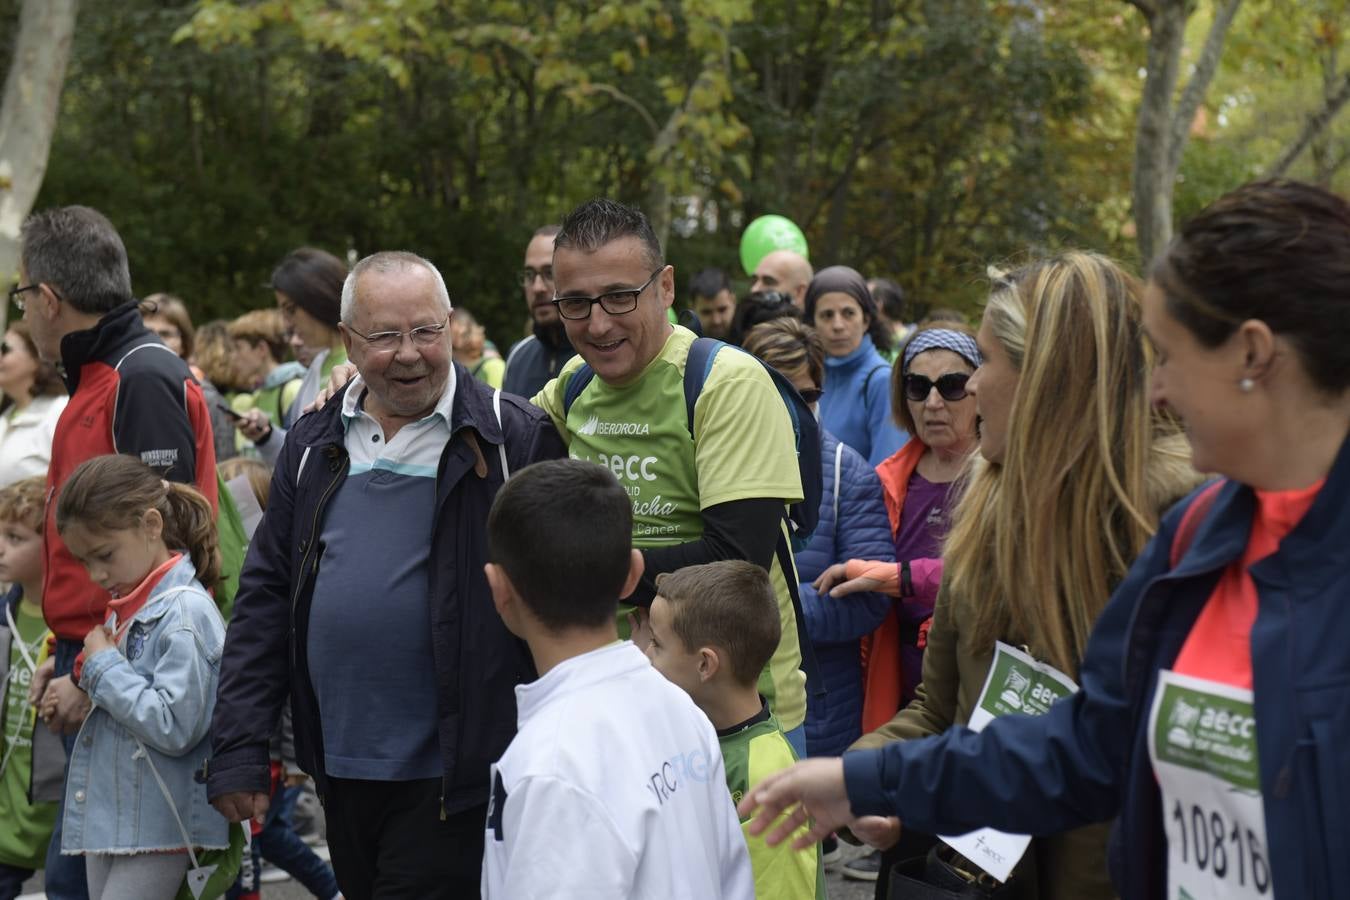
{"type": "Point", "coordinates": [856, 404]}
{"type": "Point", "coordinates": [852, 520]}
{"type": "Point", "coordinates": [1212, 715]}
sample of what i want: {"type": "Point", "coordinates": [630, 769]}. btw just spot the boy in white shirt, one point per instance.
{"type": "Point", "coordinates": [614, 784]}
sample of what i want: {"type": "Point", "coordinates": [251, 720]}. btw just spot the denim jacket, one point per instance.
{"type": "Point", "coordinates": [159, 686]}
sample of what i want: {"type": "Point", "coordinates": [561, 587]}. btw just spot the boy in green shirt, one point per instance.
{"type": "Point", "coordinates": [25, 827]}
{"type": "Point", "coordinates": [711, 631]}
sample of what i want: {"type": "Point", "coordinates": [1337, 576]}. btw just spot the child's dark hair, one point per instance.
{"type": "Point", "coordinates": [728, 604]}
{"type": "Point", "coordinates": [563, 532]}
{"type": "Point", "coordinates": [110, 493]}
{"type": "Point", "coordinates": [24, 501]}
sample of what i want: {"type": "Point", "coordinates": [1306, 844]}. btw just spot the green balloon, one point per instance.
{"type": "Point", "coordinates": [767, 234]}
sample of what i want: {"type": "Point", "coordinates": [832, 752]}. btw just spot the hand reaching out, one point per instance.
{"type": "Point", "coordinates": [812, 793]}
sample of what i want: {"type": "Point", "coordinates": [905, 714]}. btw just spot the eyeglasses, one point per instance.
{"type": "Point", "coordinates": [385, 341]}
{"type": "Point", "coordinates": [528, 275]}
{"type": "Point", "coordinates": [16, 292]}
{"type": "Point", "coordinates": [951, 386]}
{"type": "Point", "coordinates": [616, 303]}
{"type": "Point", "coordinates": [811, 395]}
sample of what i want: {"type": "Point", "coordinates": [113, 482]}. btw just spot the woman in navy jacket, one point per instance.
{"type": "Point", "coordinates": [1250, 311]}
{"type": "Point", "coordinates": [852, 521]}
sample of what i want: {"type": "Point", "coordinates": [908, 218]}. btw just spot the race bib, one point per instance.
{"type": "Point", "coordinates": [1016, 683]}
{"type": "Point", "coordinates": [1202, 742]}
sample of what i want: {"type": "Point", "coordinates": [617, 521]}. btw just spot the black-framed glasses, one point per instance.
{"type": "Point", "coordinates": [616, 303]}
{"type": "Point", "coordinates": [811, 395]}
{"type": "Point", "coordinates": [421, 336]}
{"type": "Point", "coordinates": [951, 386]}
{"type": "Point", "coordinates": [16, 294]}
{"type": "Point", "coordinates": [528, 275]}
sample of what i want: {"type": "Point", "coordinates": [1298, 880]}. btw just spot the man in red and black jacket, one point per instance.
{"type": "Point", "coordinates": [128, 394]}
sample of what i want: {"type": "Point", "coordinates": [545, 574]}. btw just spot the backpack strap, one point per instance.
{"type": "Point", "coordinates": [501, 448]}
{"type": "Point", "coordinates": [1192, 519]}
{"type": "Point", "coordinates": [697, 367]}
{"type": "Point", "coordinates": [815, 684]}
{"type": "Point", "coordinates": [580, 379]}
{"type": "Point", "coordinates": [867, 382]}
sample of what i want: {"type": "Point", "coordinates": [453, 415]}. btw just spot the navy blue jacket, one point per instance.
{"type": "Point", "coordinates": [478, 662]}
{"type": "Point", "coordinates": [534, 361]}
{"type": "Point", "coordinates": [1087, 760]}
{"type": "Point", "coordinates": [835, 626]}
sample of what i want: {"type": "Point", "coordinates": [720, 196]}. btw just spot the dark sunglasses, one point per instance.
{"type": "Point", "coordinates": [811, 395]}
{"type": "Point", "coordinates": [951, 386]}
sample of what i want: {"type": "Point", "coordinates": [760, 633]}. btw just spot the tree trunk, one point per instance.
{"type": "Point", "coordinates": [28, 117]}
{"type": "Point", "coordinates": [1163, 127]}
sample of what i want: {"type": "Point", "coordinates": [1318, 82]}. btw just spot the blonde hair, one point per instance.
{"type": "Point", "coordinates": [214, 355]}
{"type": "Point", "coordinates": [1041, 539]}
{"type": "Point", "coordinates": [24, 502]}
{"type": "Point", "coordinates": [256, 471]}
{"type": "Point", "coordinates": [788, 344]}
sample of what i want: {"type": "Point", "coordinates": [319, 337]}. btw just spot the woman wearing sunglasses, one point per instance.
{"type": "Point", "coordinates": [1073, 472]}
{"type": "Point", "coordinates": [34, 398]}
{"type": "Point", "coordinates": [928, 396]}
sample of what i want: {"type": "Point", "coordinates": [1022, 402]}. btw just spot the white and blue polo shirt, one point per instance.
{"type": "Point", "coordinates": [370, 656]}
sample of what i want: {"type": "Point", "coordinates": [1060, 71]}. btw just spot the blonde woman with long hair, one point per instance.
{"type": "Point", "coordinates": [1073, 472]}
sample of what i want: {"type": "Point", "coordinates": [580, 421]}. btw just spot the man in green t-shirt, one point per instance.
{"type": "Point", "coordinates": [718, 496]}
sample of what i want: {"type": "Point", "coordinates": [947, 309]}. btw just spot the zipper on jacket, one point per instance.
{"type": "Point", "coordinates": [335, 466]}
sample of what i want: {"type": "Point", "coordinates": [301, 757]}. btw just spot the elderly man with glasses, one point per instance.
{"type": "Point", "coordinates": [536, 359]}
{"type": "Point", "coordinates": [364, 597]}
{"type": "Point", "coordinates": [719, 495]}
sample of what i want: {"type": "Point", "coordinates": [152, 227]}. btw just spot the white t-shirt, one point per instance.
{"type": "Point", "coordinates": [613, 787]}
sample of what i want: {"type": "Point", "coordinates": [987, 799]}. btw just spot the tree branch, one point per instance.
{"type": "Point", "coordinates": [628, 100]}
{"type": "Point", "coordinates": [1199, 81]}
{"type": "Point", "coordinates": [1315, 125]}
{"type": "Point", "coordinates": [1146, 7]}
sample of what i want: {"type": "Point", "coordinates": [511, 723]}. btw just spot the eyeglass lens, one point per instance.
{"type": "Point", "coordinates": [951, 386]}
{"type": "Point", "coordinates": [421, 337]}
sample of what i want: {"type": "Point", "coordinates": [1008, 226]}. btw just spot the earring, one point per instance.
{"type": "Point", "coordinates": [1246, 385]}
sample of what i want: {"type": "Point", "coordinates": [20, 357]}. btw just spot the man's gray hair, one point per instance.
{"type": "Point", "coordinates": [79, 253]}
{"type": "Point", "coordinates": [388, 261]}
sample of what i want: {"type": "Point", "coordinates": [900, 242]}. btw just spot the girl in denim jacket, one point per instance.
{"type": "Point", "coordinates": [133, 808]}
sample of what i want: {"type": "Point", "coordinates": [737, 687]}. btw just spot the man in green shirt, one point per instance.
{"type": "Point", "coordinates": [718, 495]}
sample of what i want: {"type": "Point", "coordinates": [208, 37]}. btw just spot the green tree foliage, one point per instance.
{"type": "Point", "coordinates": [919, 139]}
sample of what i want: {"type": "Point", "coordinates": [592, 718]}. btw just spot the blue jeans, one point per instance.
{"type": "Point", "coordinates": [63, 877]}
{"type": "Point", "coordinates": [281, 846]}
{"type": "Point", "coordinates": [797, 738]}
{"type": "Point", "coordinates": [11, 881]}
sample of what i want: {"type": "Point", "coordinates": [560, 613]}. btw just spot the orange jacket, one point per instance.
{"type": "Point", "coordinates": [882, 674]}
